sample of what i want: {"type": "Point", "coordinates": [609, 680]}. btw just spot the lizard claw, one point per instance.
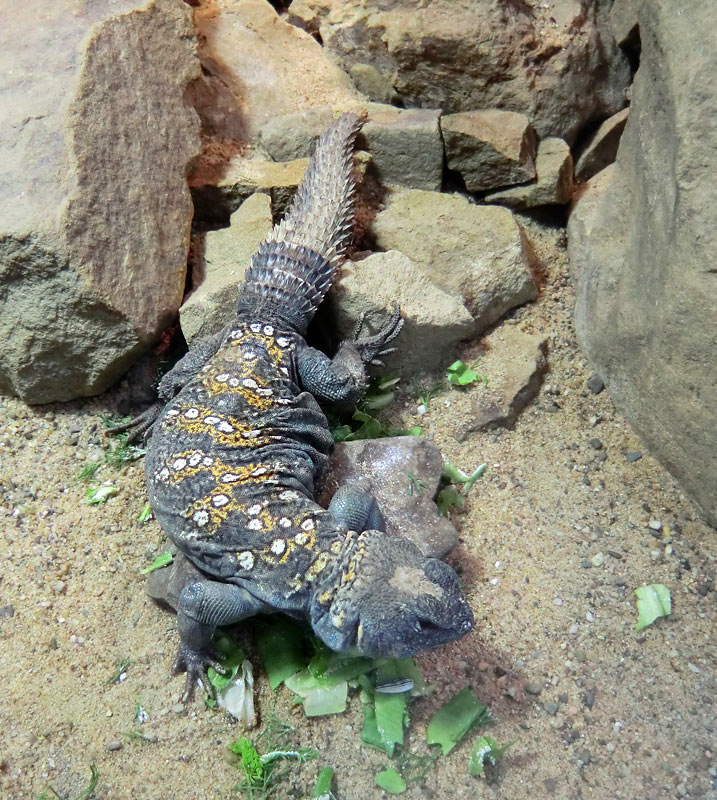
{"type": "Point", "coordinates": [196, 663]}
{"type": "Point", "coordinates": [139, 427]}
{"type": "Point", "coordinates": [370, 347]}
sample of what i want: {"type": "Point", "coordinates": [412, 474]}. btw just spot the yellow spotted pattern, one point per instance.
{"type": "Point", "coordinates": [221, 428]}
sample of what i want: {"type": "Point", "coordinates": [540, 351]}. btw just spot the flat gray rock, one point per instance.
{"type": "Point", "coordinates": [95, 214]}
{"type": "Point", "coordinates": [477, 253]}
{"type": "Point", "coordinates": [403, 474]}
{"type": "Point", "coordinates": [601, 149]}
{"type": "Point", "coordinates": [642, 244]}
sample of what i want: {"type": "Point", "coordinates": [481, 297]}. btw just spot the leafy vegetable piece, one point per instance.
{"type": "Point", "coordinates": [237, 697]}
{"type": "Point", "coordinates": [88, 471]}
{"type": "Point", "coordinates": [455, 719]}
{"type": "Point", "coordinates": [100, 494]}
{"type": "Point", "coordinates": [370, 734]}
{"type": "Point", "coordinates": [397, 669]}
{"type": "Point", "coordinates": [450, 496]}
{"type": "Point", "coordinates": [121, 667]}
{"type": "Point", "coordinates": [320, 695]}
{"type": "Point", "coordinates": [390, 781]}
{"type": "Point", "coordinates": [460, 374]}
{"type": "Point", "coordinates": [337, 666]}
{"type": "Point", "coordinates": [485, 751]}
{"type": "Point", "coordinates": [232, 658]}
{"type": "Point", "coordinates": [250, 761]}
{"type": "Point", "coordinates": [390, 710]}
{"type": "Point", "coordinates": [146, 513]}
{"type": "Point", "coordinates": [162, 560]}
{"type": "Point", "coordinates": [452, 474]}
{"type": "Point", "coordinates": [369, 427]}
{"type": "Point", "coordinates": [281, 644]}
{"type": "Point", "coordinates": [653, 601]}
{"type": "Point", "coordinates": [322, 788]}
{"type": "Point", "coordinates": [447, 499]}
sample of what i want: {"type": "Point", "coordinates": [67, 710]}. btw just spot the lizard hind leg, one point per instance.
{"type": "Point", "coordinates": [203, 605]}
{"type": "Point", "coordinates": [356, 509]}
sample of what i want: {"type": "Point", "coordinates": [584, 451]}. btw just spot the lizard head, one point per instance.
{"type": "Point", "coordinates": [391, 601]}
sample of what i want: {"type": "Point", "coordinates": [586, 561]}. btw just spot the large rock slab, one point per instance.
{"type": "Point", "coordinates": [642, 244]}
{"type": "Point", "coordinates": [479, 253]}
{"type": "Point", "coordinates": [94, 209]}
{"type": "Point", "coordinates": [435, 320]}
{"type": "Point", "coordinates": [555, 62]}
{"type": "Point", "coordinates": [490, 148]}
{"type": "Point", "coordinates": [601, 148]}
{"type": "Point", "coordinates": [221, 263]}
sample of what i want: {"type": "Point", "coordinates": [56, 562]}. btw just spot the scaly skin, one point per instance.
{"type": "Point", "coordinates": [235, 451]}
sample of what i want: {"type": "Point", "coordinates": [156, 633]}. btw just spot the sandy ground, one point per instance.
{"type": "Point", "coordinates": [554, 542]}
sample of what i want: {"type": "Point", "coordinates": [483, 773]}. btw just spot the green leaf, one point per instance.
{"type": "Point", "coordinates": [88, 471]}
{"type": "Point", "coordinates": [232, 657]}
{"type": "Point", "coordinates": [448, 499]}
{"type": "Point", "coordinates": [281, 644]}
{"type": "Point", "coordinates": [146, 513]}
{"type": "Point", "coordinates": [390, 710]}
{"type": "Point", "coordinates": [100, 494]}
{"type": "Point", "coordinates": [321, 696]}
{"type": "Point", "coordinates": [460, 374]}
{"type": "Point", "coordinates": [485, 751]}
{"type": "Point", "coordinates": [162, 560]}
{"type": "Point", "coordinates": [455, 719]}
{"type": "Point", "coordinates": [370, 734]}
{"type": "Point", "coordinates": [653, 601]}
{"type": "Point", "coordinates": [322, 787]}
{"type": "Point", "coordinates": [250, 760]}
{"type": "Point", "coordinates": [390, 781]}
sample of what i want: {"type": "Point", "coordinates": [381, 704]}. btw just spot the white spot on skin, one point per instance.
{"type": "Point", "coordinates": [173, 412]}
{"type": "Point", "coordinates": [285, 522]}
{"type": "Point", "coordinates": [282, 341]}
{"type": "Point", "coordinates": [223, 378]}
{"type": "Point", "coordinates": [201, 517]}
{"type": "Point", "coordinates": [255, 524]}
{"type": "Point", "coordinates": [264, 392]}
{"type": "Point", "coordinates": [220, 500]}
{"type": "Point", "coordinates": [289, 494]}
{"type": "Point", "coordinates": [251, 434]}
{"type": "Point", "coordinates": [191, 413]}
{"type": "Point", "coordinates": [284, 371]}
{"type": "Point", "coordinates": [308, 525]}
{"type": "Point", "coordinates": [163, 474]}
{"type": "Point", "coordinates": [278, 546]}
{"type": "Point", "coordinates": [195, 459]}
{"type": "Point", "coordinates": [250, 383]}
{"type": "Point", "coordinates": [207, 461]}
{"type": "Point", "coordinates": [179, 463]}
{"type": "Point", "coordinates": [234, 334]}
{"type": "Point", "coordinates": [249, 355]}
{"type": "Point", "coordinates": [230, 477]}
{"type": "Point", "coordinates": [301, 538]}
{"type": "Point", "coordinates": [224, 427]}
{"type": "Point", "coordinates": [233, 381]}
{"type": "Point", "coordinates": [259, 471]}
{"type": "Point", "coordinates": [246, 559]}
{"type": "Point", "coordinates": [269, 330]}
{"type": "Point", "coordinates": [211, 420]}
{"type": "Point", "coordinates": [253, 510]}
{"type": "Point", "coordinates": [284, 401]}
{"type": "Point", "coordinates": [255, 327]}
{"type": "Point", "coordinates": [414, 582]}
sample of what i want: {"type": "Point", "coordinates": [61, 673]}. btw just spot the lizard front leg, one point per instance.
{"type": "Point", "coordinates": [343, 379]}
{"type": "Point", "coordinates": [356, 509]}
{"type": "Point", "coordinates": [203, 606]}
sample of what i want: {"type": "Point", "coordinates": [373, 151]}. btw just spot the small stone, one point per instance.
{"type": "Point", "coordinates": [59, 587]}
{"type": "Point", "coordinates": [7, 611]}
{"type": "Point", "coordinates": [586, 564]}
{"type": "Point", "coordinates": [511, 693]}
{"type": "Point", "coordinates": [114, 745]}
{"type": "Point", "coordinates": [574, 628]}
{"type": "Point", "coordinates": [596, 444]}
{"type": "Point", "coordinates": [584, 757]}
{"type": "Point", "coordinates": [551, 708]}
{"type": "Point", "coordinates": [655, 524]}
{"type": "Point", "coordinates": [633, 455]}
{"type": "Point", "coordinates": [590, 617]}
{"type": "Point", "coordinates": [533, 688]}
{"type": "Point", "coordinates": [178, 708]}
{"type": "Point", "coordinates": [552, 408]}
{"type": "Point", "coordinates": [595, 384]}
{"type": "Point", "coordinates": [558, 601]}
{"type": "Point", "coordinates": [589, 699]}
{"type": "Point", "coordinates": [694, 668]}
{"type": "Point", "coordinates": [598, 559]}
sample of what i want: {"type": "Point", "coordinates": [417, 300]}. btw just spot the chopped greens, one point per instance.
{"type": "Point", "coordinates": [146, 513]}
{"type": "Point", "coordinates": [281, 645]}
{"type": "Point", "coordinates": [322, 787]}
{"type": "Point", "coordinates": [235, 689]}
{"type": "Point", "coordinates": [100, 494]}
{"type": "Point", "coordinates": [390, 781]}
{"type": "Point", "coordinates": [456, 486]}
{"type": "Point", "coordinates": [121, 667]}
{"type": "Point", "coordinates": [162, 560]}
{"type": "Point", "coordinates": [369, 428]}
{"type": "Point", "coordinates": [457, 718]}
{"type": "Point", "coordinates": [460, 374]}
{"type": "Point", "coordinates": [250, 762]}
{"type": "Point", "coordinates": [320, 695]}
{"type": "Point", "coordinates": [486, 751]}
{"type": "Point", "coordinates": [653, 601]}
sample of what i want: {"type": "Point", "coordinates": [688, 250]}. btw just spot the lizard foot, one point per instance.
{"type": "Point", "coordinates": [375, 345]}
{"type": "Point", "coordinates": [196, 663]}
{"type": "Point", "coordinates": [139, 427]}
